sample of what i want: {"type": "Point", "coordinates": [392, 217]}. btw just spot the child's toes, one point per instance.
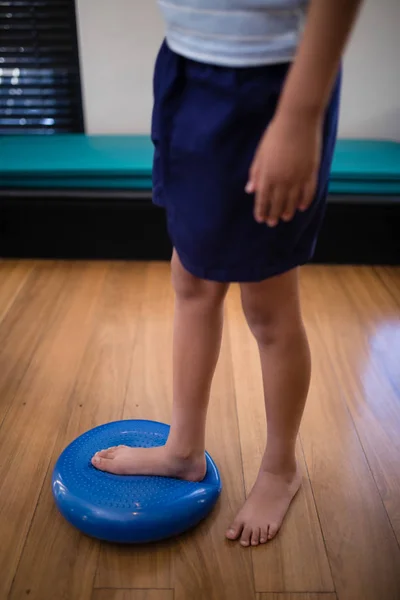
{"type": "Point", "coordinates": [109, 453]}
{"type": "Point", "coordinates": [246, 535]}
{"type": "Point", "coordinates": [263, 535]}
{"type": "Point", "coordinates": [272, 531]}
{"type": "Point", "coordinates": [255, 536]}
{"type": "Point", "coordinates": [104, 464]}
{"type": "Point", "coordinates": [234, 530]}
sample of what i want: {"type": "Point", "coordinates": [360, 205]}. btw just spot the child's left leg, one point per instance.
{"type": "Point", "coordinates": [273, 313]}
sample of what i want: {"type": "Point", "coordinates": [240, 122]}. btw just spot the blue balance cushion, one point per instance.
{"type": "Point", "coordinates": [128, 509]}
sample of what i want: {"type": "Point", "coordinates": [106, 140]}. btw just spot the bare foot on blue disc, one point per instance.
{"type": "Point", "coordinates": [265, 509]}
{"type": "Point", "coordinates": [124, 460]}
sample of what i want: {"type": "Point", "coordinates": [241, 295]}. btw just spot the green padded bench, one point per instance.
{"type": "Point", "coordinates": [76, 161]}
{"type": "Point", "coordinates": [360, 168]}
{"type": "Point", "coordinates": [366, 167]}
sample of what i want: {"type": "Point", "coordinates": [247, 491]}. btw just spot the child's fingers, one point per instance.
{"type": "Point", "coordinates": [307, 195]}
{"type": "Point", "coordinates": [252, 182]}
{"type": "Point", "coordinates": [276, 205]}
{"type": "Point", "coordinates": [261, 203]}
{"type": "Point", "coordinates": [293, 200]}
{"type": "Point", "coordinates": [250, 187]}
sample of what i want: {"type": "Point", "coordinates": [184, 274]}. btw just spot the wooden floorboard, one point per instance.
{"type": "Point", "coordinates": [13, 275]}
{"type": "Point", "coordinates": [278, 566]}
{"type": "Point", "coordinates": [296, 596]}
{"type": "Point", "coordinates": [347, 498]}
{"type": "Point", "coordinates": [31, 426]}
{"type": "Point", "coordinates": [363, 334]}
{"type": "Point", "coordinates": [390, 277]}
{"type": "Point", "coordinates": [133, 595]}
{"type": "Point", "coordinates": [86, 343]}
{"type": "Point", "coordinates": [50, 569]}
{"type": "Point", "coordinates": [25, 323]}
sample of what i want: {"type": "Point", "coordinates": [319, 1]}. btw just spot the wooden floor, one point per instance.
{"type": "Point", "coordinates": [85, 343]}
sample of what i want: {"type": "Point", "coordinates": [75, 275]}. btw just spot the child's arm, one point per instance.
{"type": "Point", "coordinates": [285, 170]}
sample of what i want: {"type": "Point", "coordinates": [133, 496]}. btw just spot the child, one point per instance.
{"type": "Point", "coordinates": [244, 127]}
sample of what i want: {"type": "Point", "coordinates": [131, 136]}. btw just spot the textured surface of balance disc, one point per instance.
{"type": "Point", "coordinates": [124, 508]}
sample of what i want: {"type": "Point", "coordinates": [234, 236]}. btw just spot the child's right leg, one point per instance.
{"type": "Point", "coordinates": [197, 341]}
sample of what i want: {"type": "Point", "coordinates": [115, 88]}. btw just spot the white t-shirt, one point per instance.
{"type": "Point", "coordinates": [235, 33]}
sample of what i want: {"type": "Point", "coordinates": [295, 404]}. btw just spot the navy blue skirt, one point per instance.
{"type": "Point", "coordinates": [207, 123]}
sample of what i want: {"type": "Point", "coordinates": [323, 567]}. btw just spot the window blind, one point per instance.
{"type": "Point", "coordinates": [40, 91]}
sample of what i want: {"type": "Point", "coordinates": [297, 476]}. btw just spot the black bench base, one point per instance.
{"type": "Point", "coordinates": [125, 225]}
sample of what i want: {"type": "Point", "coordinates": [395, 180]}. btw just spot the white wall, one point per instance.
{"type": "Point", "coordinates": [371, 89]}
{"type": "Point", "coordinates": [119, 40]}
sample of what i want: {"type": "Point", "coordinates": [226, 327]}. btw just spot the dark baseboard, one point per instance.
{"type": "Point", "coordinates": [360, 233]}
{"type": "Point", "coordinates": [95, 225]}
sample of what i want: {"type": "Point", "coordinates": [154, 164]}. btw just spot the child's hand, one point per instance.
{"type": "Point", "coordinates": [284, 172]}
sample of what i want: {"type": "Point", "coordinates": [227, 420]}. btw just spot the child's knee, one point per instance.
{"type": "Point", "coordinates": [262, 324]}
{"type": "Point", "coordinates": [190, 288]}
{"type": "Point", "coordinates": [270, 322]}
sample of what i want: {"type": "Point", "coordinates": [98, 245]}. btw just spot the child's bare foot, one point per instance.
{"type": "Point", "coordinates": [124, 460]}
{"type": "Point", "coordinates": [262, 514]}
